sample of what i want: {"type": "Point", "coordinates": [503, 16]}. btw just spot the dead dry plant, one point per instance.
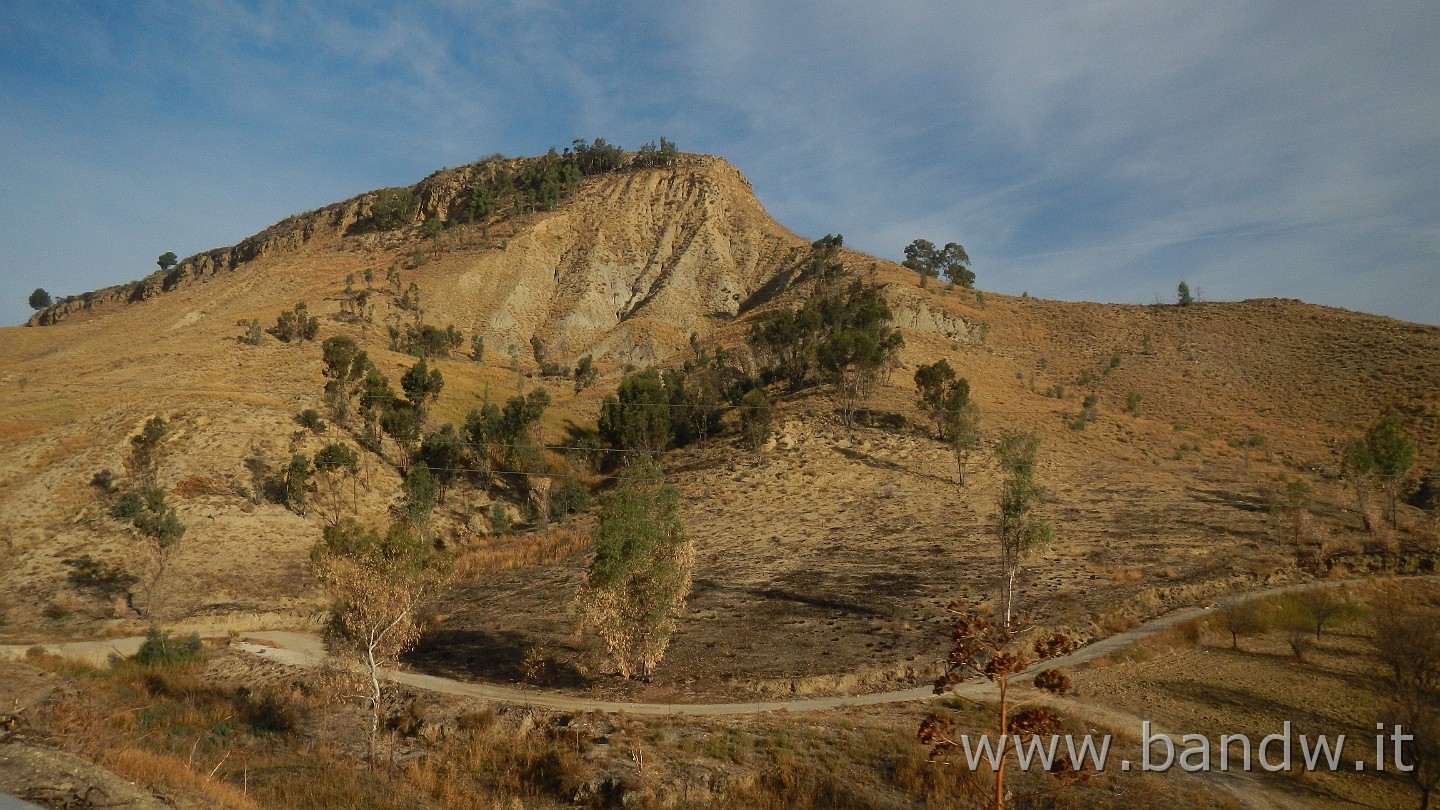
{"type": "Point", "coordinates": [520, 550]}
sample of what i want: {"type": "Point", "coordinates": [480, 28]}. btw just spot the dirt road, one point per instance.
{"type": "Point", "coordinates": [306, 649]}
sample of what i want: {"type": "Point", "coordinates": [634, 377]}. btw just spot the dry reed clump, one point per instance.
{"type": "Point", "coordinates": [200, 485]}
{"type": "Point", "coordinates": [1117, 621]}
{"type": "Point", "coordinates": [153, 769]}
{"type": "Point", "coordinates": [178, 729]}
{"type": "Point", "coordinates": [170, 728]}
{"type": "Point", "coordinates": [519, 550]}
{"type": "Point", "coordinates": [860, 680]}
{"type": "Point", "coordinates": [797, 769]}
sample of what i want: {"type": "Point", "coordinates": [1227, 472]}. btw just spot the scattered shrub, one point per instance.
{"type": "Point", "coordinates": [296, 325]}
{"type": "Point", "coordinates": [311, 421]}
{"type": "Point", "coordinates": [162, 650]}
{"type": "Point", "coordinates": [500, 523]}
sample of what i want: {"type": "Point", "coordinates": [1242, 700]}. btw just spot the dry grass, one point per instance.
{"type": "Point", "coordinates": [1189, 679]}
{"type": "Point", "coordinates": [250, 737]}
{"type": "Point", "coordinates": [519, 550]}
{"type": "Point", "coordinates": [155, 770]}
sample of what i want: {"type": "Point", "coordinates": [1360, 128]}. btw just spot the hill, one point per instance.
{"type": "Point", "coordinates": [825, 563]}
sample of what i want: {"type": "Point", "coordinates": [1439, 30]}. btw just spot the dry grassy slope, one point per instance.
{"type": "Point", "coordinates": [629, 268]}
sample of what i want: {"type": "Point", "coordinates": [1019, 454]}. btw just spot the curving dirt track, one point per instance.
{"type": "Point", "coordinates": [306, 649]}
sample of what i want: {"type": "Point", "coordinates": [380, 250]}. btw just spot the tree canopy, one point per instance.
{"type": "Point", "coordinates": [640, 575]}
{"type": "Point", "coordinates": [950, 262]}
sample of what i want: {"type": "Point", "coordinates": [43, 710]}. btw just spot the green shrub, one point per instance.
{"type": "Point", "coordinates": [570, 497]}
{"type": "Point", "coordinates": [499, 519]}
{"type": "Point", "coordinates": [161, 650]}
{"type": "Point", "coordinates": [127, 507]}
{"type": "Point", "coordinates": [392, 208]}
{"type": "Point", "coordinates": [310, 420]}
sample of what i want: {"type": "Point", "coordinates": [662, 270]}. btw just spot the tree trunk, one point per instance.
{"type": "Point", "coordinates": [1008, 596]}
{"type": "Point", "coordinates": [373, 670]}
{"type": "Point", "coordinates": [1004, 729]}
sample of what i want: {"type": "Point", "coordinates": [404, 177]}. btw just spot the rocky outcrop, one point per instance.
{"type": "Point", "coordinates": [626, 270]}
{"type": "Point", "coordinates": [911, 311]}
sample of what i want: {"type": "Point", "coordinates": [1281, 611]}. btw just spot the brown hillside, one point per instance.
{"type": "Point", "coordinates": [835, 553]}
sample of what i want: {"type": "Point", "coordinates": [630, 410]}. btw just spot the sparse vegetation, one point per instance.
{"type": "Point", "coordinates": [141, 502]}
{"type": "Point", "coordinates": [334, 465]}
{"type": "Point", "coordinates": [392, 208]}
{"type": "Point", "coordinates": [1088, 412]}
{"type": "Point", "coordinates": [637, 417]}
{"type": "Point", "coordinates": [163, 650]}
{"type": "Point", "coordinates": [947, 399]}
{"type": "Point", "coordinates": [1383, 457]}
{"type": "Point", "coordinates": [426, 340]}
{"type": "Point", "coordinates": [310, 420]}
{"type": "Point", "coordinates": [845, 335]}
{"type": "Point", "coordinates": [296, 325]}
{"type": "Point", "coordinates": [1241, 617]}
{"type": "Point", "coordinates": [253, 333]}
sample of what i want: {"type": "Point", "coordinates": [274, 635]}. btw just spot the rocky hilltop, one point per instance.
{"type": "Point", "coordinates": [632, 263]}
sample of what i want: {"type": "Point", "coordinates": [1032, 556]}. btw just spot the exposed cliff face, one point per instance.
{"type": "Point", "coordinates": [628, 268]}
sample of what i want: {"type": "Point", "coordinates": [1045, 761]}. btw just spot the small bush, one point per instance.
{"type": "Point", "coordinates": [296, 325]}
{"type": "Point", "coordinates": [128, 506]}
{"type": "Point", "coordinates": [272, 711]}
{"type": "Point", "coordinates": [311, 421]}
{"type": "Point", "coordinates": [571, 496]}
{"type": "Point", "coordinates": [161, 650]}
{"type": "Point", "coordinates": [104, 482]}
{"type": "Point", "coordinates": [499, 520]}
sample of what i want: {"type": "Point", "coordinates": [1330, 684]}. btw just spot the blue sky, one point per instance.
{"type": "Point", "coordinates": [1086, 151]}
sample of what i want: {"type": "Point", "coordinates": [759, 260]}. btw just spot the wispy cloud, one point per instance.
{"type": "Point", "coordinates": [1097, 150]}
